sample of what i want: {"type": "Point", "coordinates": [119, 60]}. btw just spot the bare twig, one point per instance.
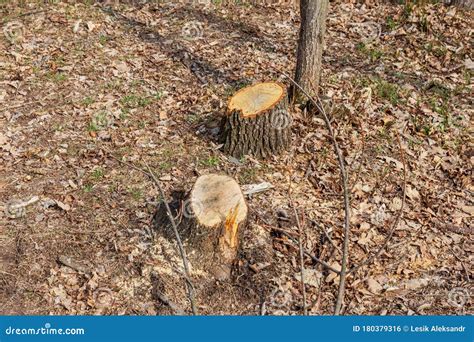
{"type": "Point", "coordinates": [189, 284]}
{"type": "Point", "coordinates": [178, 239]}
{"type": "Point", "coordinates": [315, 259]}
{"type": "Point", "coordinates": [165, 300]}
{"type": "Point", "coordinates": [326, 234]}
{"type": "Point", "coordinates": [18, 105]}
{"type": "Point", "coordinates": [24, 15]}
{"type": "Point", "coordinates": [395, 222]}
{"type": "Point", "coordinates": [468, 278]}
{"type": "Point", "coordinates": [345, 251]}
{"type": "Point", "coordinates": [280, 230]}
{"type": "Point", "coordinates": [359, 168]}
{"type": "Point", "coordinates": [74, 264]}
{"type": "Point", "coordinates": [300, 245]}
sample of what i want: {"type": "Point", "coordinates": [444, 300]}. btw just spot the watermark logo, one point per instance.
{"type": "Point", "coordinates": [102, 121]}
{"type": "Point", "coordinates": [280, 298]}
{"type": "Point", "coordinates": [369, 31]}
{"type": "Point", "coordinates": [15, 209]}
{"type": "Point", "coordinates": [281, 119]}
{"type": "Point", "coordinates": [47, 329]}
{"type": "Point", "coordinates": [192, 30]}
{"type": "Point", "coordinates": [192, 208]}
{"type": "Point", "coordinates": [103, 297]}
{"type": "Point", "coordinates": [458, 297]}
{"type": "Point", "coordinates": [13, 31]}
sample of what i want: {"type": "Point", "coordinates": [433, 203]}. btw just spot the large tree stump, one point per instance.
{"type": "Point", "coordinates": [210, 218]}
{"type": "Point", "coordinates": [257, 121]}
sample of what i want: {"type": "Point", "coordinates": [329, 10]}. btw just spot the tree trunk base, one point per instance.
{"type": "Point", "coordinates": [257, 122]}
{"type": "Point", "coordinates": [210, 219]}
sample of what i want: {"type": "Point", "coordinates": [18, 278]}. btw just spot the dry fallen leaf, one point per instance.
{"type": "Point", "coordinates": [77, 26]}
{"type": "Point", "coordinates": [373, 286]}
{"type": "Point", "coordinates": [312, 277]}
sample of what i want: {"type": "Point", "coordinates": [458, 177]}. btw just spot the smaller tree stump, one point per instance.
{"type": "Point", "coordinates": [210, 218]}
{"type": "Point", "coordinates": [257, 121]}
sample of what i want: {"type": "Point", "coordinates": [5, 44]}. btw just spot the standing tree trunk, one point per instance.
{"type": "Point", "coordinates": [310, 47]}
{"type": "Point", "coordinates": [257, 121]}
{"type": "Point", "coordinates": [211, 217]}
{"type": "Point", "coordinates": [462, 3]}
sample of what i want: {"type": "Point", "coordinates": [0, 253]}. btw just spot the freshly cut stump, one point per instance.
{"type": "Point", "coordinates": [257, 121]}
{"type": "Point", "coordinates": [211, 217]}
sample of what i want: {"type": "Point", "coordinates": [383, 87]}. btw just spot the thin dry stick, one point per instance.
{"type": "Point", "coordinates": [178, 239]}
{"type": "Point", "coordinates": [326, 234]}
{"type": "Point", "coordinates": [165, 300]}
{"type": "Point", "coordinates": [397, 218]}
{"type": "Point", "coordinates": [345, 251]}
{"type": "Point", "coordinates": [189, 284]}
{"type": "Point", "coordinates": [315, 259]}
{"type": "Point", "coordinates": [359, 168]}
{"type": "Point", "coordinates": [300, 245]}
{"type": "Point", "coordinates": [18, 105]}
{"type": "Point", "coordinates": [23, 15]}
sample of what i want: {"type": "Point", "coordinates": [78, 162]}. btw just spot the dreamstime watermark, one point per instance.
{"type": "Point", "coordinates": [14, 209]}
{"type": "Point", "coordinates": [17, 208]}
{"type": "Point", "coordinates": [280, 298]}
{"type": "Point", "coordinates": [458, 297]}
{"type": "Point", "coordinates": [103, 297]}
{"type": "Point", "coordinates": [101, 121]}
{"type": "Point", "coordinates": [46, 330]}
{"type": "Point", "coordinates": [281, 119]}
{"type": "Point", "coordinates": [369, 31]}
{"type": "Point", "coordinates": [192, 30]}
{"type": "Point", "coordinates": [13, 31]}
{"type": "Point", "coordinates": [191, 208]}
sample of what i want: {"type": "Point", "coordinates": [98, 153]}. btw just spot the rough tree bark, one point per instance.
{"type": "Point", "coordinates": [461, 3]}
{"type": "Point", "coordinates": [257, 121]}
{"type": "Point", "coordinates": [310, 47]}
{"type": "Point", "coordinates": [211, 217]}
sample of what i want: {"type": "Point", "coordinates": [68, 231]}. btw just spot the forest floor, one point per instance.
{"type": "Point", "coordinates": [81, 82]}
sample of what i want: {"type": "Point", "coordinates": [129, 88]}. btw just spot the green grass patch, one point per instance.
{"type": "Point", "coordinates": [388, 91]}
{"type": "Point", "coordinates": [98, 174]}
{"type": "Point", "coordinates": [100, 121]}
{"type": "Point", "coordinates": [371, 52]}
{"type": "Point", "coordinates": [210, 162]}
{"type": "Point", "coordinates": [391, 23]}
{"type": "Point", "coordinates": [57, 77]}
{"type": "Point", "coordinates": [136, 193]}
{"type": "Point", "coordinates": [87, 101]}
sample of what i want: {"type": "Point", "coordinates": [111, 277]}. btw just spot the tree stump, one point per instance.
{"type": "Point", "coordinates": [210, 218]}
{"type": "Point", "coordinates": [257, 121]}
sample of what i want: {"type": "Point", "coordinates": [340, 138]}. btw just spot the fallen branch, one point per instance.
{"type": "Point", "coordinates": [395, 222]}
{"type": "Point", "coordinates": [326, 234]}
{"type": "Point", "coordinates": [315, 259]}
{"type": "Point", "coordinates": [301, 252]}
{"type": "Point", "coordinates": [19, 105]}
{"type": "Point", "coordinates": [73, 264]}
{"type": "Point", "coordinates": [345, 251]}
{"type": "Point", "coordinates": [189, 284]}
{"type": "Point", "coordinates": [300, 246]}
{"type": "Point", "coordinates": [165, 300]}
{"type": "Point", "coordinates": [178, 239]}
{"type": "Point", "coordinates": [23, 15]}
